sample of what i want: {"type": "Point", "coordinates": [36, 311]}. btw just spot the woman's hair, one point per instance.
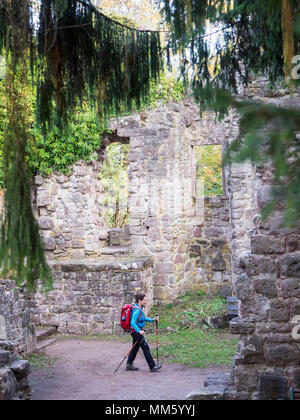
{"type": "Point", "coordinates": [139, 296]}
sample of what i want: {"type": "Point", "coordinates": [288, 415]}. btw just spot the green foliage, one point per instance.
{"type": "Point", "coordinates": [209, 169]}
{"type": "Point", "coordinates": [197, 348]}
{"type": "Point", "coordinates": [108, 63]}
{"type": "Point", "coordinates": [115, 181]}
{"type": "Point", "coordinates": [190, 341]}
{"type": "Point", "coordinates": [269, 134]}
{"type": "Point", "coordinates": [166, 89]}
{"type": "Point", "coordinates": [123, 20]}
{"type": "Point", "coordinates": [190, 310]}
{"type": "Point", "coordinates": [21, 250]}
{"type": "Point", "coordinates": [57, 151]}
{"type": "Point", "coordinates": [249, 42]}
{"type": "Point", "coordinates": [41, 361]}
{"type": "Point", "coordinates": [76, 54]}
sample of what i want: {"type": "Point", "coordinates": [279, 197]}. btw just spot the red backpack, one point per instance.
{"type": "Point", "coordinates": [126, 316]}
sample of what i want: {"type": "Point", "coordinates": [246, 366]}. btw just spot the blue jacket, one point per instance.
{"type": "Point", "coordinates": [139, 319]}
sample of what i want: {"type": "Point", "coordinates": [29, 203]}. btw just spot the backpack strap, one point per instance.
{"type": "Point", "coordinates": [140, 309]}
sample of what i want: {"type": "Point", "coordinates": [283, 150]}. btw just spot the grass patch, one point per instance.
{"type": "Point", "coordinates": [190, 310]}
{"type": "Point", "coordinates": [40, 360]}
{"type": "Point", "coordinates": [196, 348]}
{"type": "Point", "coordinates": [188, 340]}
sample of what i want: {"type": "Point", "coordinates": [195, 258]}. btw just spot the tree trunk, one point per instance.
{"type": "Point", "coordinates": [288, 41]}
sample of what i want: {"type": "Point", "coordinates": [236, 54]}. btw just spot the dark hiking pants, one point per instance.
{"type": "Point", "coordinates": [141, 343]}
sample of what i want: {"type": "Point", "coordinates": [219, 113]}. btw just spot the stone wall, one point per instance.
{"type": "Point", "coordinates": [67, 208]}
{"type": "Point", "coordinates": [266, 277]}
{"type": "Point", "coordinates": [16, 317]}
{"type": "Point", "coordinates": [14, 374]}
{"type": "Point", "coordinates": [210, 251]}
{"type": "Point", "coordinates": [269, 317]}
{"type": "Point", "coordinates": [88, 295]}
{"type": "Point", "coordinates": [163, 208]}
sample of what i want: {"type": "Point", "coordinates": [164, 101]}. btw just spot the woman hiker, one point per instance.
{"type": "Point", "coordinates": [138, 321]}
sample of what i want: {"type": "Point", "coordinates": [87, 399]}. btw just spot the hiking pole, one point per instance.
{"type": "Point", "coordinates": [156, 323]}
{"type": "Point", "coordinates": [125, 357]}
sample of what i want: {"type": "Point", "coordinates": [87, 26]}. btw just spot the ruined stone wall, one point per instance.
{"type": "Point", "coordinates": [160, 202]}
{"type": "Point", "coordinates": [14, 374]}
{"type": "Point", "coordinates": [163, 208]}
{"type": "Point", "coordinates": [266, 260]}
{"type": "Point", "coordinates": [67, 208]}
{"type": "Point", "coordinates": [210, 250]}
{"type": "Point", "coordinates": [268, 354]}
{"type": "Point", "coordinates": [16, 317]}
{"type": "Point", "coordinates": [88, 295]}
{"type": "Point", "coordinates": [164, 211]}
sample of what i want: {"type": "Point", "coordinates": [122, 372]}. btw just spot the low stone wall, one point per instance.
{"type": "Point", "coordinates": [88, 295]}
{"type": "Point", "coordinates": [13, 374]}
{"type": "Point", "coordinates": [16, 323]}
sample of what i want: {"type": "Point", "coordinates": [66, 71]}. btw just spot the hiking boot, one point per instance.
{"type": "Point", "coordinates": [156, 368]}
{"type": "Point", "coordinates": [131, 367]}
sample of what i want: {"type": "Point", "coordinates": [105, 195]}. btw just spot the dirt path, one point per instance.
{"type": "Point", "coordinates": [84, 371]}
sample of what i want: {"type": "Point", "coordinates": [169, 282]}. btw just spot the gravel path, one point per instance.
{"type": "Point", "coordinates": [84, 370]}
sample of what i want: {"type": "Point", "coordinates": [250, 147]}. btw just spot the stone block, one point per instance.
{"type": "Point", "coordinates": [296, 378]}
{"type": "Point", "coordinates": [218, 263]}
{"type": "Point", "coordinates": [226, 291]}
{"type": "Point", "coordinates": [217, 379]}
{"type": "Point", "coordinates": [249, 351]}
{"type": "Point", "coordinates": [210, 393]}
{"type": "Point", "coordinates": [264, 195]}
{"type": "Point", "coordinates": [103, 234]}
{"type": "Point", "coordinates": [165, 268]}
{"type": "Point", "coordinates": [279, 310]}
{"type": "Point", "coordinates": [84, 300]}
{"type": "Point", "coordinates": [49, 243]}
{"type": "Point", "coordinates": [291, 288]}
{"type": "Point", "coordinates": [77, 233]}
{"type": "Point", "coordinates": [76, 328]}
{"type": "Point", "coordinates": [255, 308]}
{"type": "Point", "coordinates": [245, 378]}
{"type": "Point", "coordinates": [213, 232]}
{"type": "Point", "coordinates": [289, 265]}
{"type": "Point", "coordinates": [46, 222]}
{"type": "Point", "coordinates": [281, 354]}
{"type": "Point", "coordinates": [195, 251]}
{"type": "Point", "coordinates": [38, 180]}
{"type": "Point", "coordinates": [43, 199]}
{"type": "Point", "coordinates": [20, 368]}
{"type": "Point", "coordinates": [243, 287]}
{"type": "Point", "coordinates": [7, 345]}
{"type": "Point", "coordinates": [238, 327]}
{"type": "Point", "coordinates": [3, 329]}
{"type": "Point", "coordinates": [273, 387]}
{"type": "Point", "coordinates": [261, 244]}
{"type": "Point", "coordinates": [293, 243]}
{"type": "Point", "coordinates": [260, 265]}
{"type": "Point", "coordinates": [8, 385]}
{"type": "Point", "coordinates": [30, 338]}
{"type": "Point", "coordinates": [4, 358]}
{"type": "Point", "coordinates": [266, 287]}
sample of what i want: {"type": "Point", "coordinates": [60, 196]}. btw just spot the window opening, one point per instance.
{"type": "Point", "coordinates": [115, 183]}
{"type": "Point", "coordinates": [208, 171]}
